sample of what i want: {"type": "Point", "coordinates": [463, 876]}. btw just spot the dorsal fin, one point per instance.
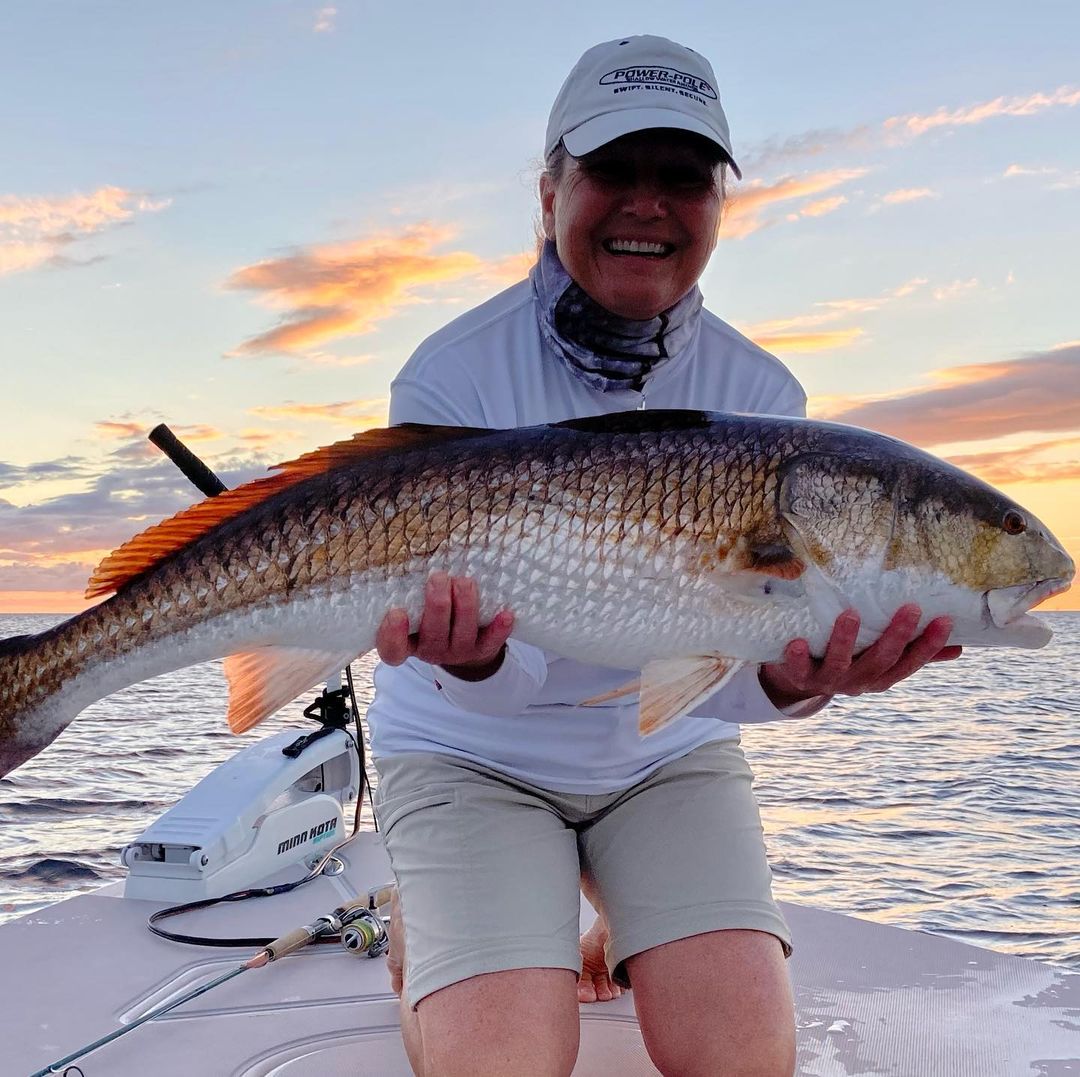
{"type": "Point", "coordinates": [155, 544]}
{"type": "Point", "coordinates": [639, 422]}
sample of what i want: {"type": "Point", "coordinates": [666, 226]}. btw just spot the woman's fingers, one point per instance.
{"type": "Point", "coordinates": [920, 651]}
{"type": "Point", "coordinates": [900, 651]}
{"type": "Point", "coordinates": [392, 638]}
{"type": "Point", "coordinates": [449, 633]}
{"type": "Point", "coordinates": [464, 631]}
{"type": "Point", "coordinates": [492, 638]}
{"type": "Point", "coordinates": [433, 636]}
{"type": "Point", "coordinates": [838, 654]}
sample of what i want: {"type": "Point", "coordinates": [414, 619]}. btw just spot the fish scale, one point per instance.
{"type": "Point", "coordinates": [686, 543]}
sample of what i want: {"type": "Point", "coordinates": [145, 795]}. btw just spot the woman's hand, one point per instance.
{"type": "Point", "coordinates": [450, 634]}
{"type": "Point", "coordinates": [900, 652]}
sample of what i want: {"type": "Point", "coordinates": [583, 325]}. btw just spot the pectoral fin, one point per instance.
{"type": "Point", "coordinates": [672, 687]}
{"type": "Point", "coordinates": [265, 680]}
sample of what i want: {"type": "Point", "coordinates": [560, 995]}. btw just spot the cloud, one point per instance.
{"type": "Point", "coordinates": [50, 546]}
{"type": "Point", "coordinates": [1039, 393]}
{"type": "Point", "coordinates": [511, 269]}
{"type": "Point", "coordinates": [823, 206]}
{"type": "Point", "coordinates": [1021, 170]}
{"type": "Point", "coordinates": [324, 19]}
{"type": "Point", "coordinates": [745, 210]}
{"type": "Point", "coordinates": [110, 429]}
{"type": "Point", "coordinates": [915, 125]}
{"type": "Point", "coordinates": [899, 130]}
{"type": "Point", "coordinates": [1066, 181]}
{"type": "Point", "coordinates": [342, 289]}
{"type": "Point", "coordinates": [809, 144]}
{"type": "Point", "coordinates": [35, 230]}
{"type": "Point", "coordinates": [829, 340]}
{"type": "Point", "coordinates": [66, 577]}
{"type": "Point", "coordinates": [907, 194]}
{"type": "Point", "coordinates": [793, 334]}
{"type": "Point", "coordinates": [956, 289]}
{"type": "Point", "coordinates": [1027, 464]}
{"type": "Point", "coordinates": [117, 499]}
{"type": "Point", "coordinates": [357, 414]}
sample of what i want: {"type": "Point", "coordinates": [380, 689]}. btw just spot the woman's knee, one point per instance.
{"type": "Point", "coordinates": [502, 1024]}
{"type": "Point", "coordinates": [716, 1004]}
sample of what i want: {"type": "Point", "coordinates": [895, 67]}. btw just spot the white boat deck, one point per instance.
{"type": "Point", "coordinates": [870, 999]}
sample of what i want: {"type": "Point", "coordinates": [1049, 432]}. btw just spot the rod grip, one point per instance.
{"type": "Point", "coordinates": [193, 468]}
{"type": "Point", "coordinates": [287, 944]}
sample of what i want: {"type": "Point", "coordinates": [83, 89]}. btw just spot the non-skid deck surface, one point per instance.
{"type": "Point", "coordinates": [869, 999]}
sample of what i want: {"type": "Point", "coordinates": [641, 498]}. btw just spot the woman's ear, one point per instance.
{"type": "Point", "coordinates": [547, 205]}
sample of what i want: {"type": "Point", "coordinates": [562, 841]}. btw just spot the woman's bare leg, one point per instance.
{"type": "Point", "coordinates": [502, 1024]}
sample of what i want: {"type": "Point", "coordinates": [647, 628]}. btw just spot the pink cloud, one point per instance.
{"type": "Point", "coordinates": [914, 125]}
{"type": "Point", "coordinates": [35, 229]}
{"type": "Point", "coordinates": [979, 402]}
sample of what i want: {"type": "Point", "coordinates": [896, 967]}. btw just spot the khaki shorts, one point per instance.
{"type": "Point", "coordinates": [488, 868]}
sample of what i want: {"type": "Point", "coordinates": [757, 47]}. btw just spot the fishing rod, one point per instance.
{"type": "Point", "coordinates": [361, 930]}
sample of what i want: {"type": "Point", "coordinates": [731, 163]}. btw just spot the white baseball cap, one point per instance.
{"type": "Point", "coordinates": [633, 84]}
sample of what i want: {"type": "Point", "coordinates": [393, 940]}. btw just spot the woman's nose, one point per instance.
{"type": "Point", "coordinates": [646, 201]}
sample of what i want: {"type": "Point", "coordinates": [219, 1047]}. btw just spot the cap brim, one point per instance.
{"type": "Point", "coordinates": [600, 130]}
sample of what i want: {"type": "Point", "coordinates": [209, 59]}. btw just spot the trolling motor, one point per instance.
{"type": "Point", "coordinates": [256, 814]}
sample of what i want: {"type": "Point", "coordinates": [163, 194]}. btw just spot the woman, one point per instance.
{"type": "Point", "coordinates": [494, 781]}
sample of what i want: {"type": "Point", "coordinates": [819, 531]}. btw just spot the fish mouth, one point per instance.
{"type": "Point", "coordinates": [1007, 607]}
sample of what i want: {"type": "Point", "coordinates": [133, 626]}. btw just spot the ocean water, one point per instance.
{"type": "Point", "coordinates": [949, 804]}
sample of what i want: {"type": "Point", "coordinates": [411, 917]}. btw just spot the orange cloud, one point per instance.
{"type": "Point", "coordinates": [356, 414]}
{"type": "Point", "coordinates": [109, 429]}
{"type": "Point", "coordinates": [511, 269]}
{"type": "Point", "coordinates": [915, 125]}
{"type": "Point", "coordinates": [1028, 464]}
{"type": "Point", "coordinates": [808, 342]}
{"type": "Point", "coordinates": [260, 439]}
{"type": "Point", "coordinates": [34, 229]}
{"type": "Point", "coordinates": [978, 402]}
{"type": "Point", "coordinates": [823, 206]}
{"type": "Point", "coordinates": [789, 334]}
{"type": "Point", "coordinates": [745, 209]}
{"type": "Point", "coordinates": [342, 289]}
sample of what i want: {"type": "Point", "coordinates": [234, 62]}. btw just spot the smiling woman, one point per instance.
{"type": "Point", "coordinates": [493, 772]}
{"type": "Point", "coordinates": [636, 220]}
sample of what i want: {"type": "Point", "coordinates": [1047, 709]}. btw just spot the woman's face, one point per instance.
{"type": "Point", "coordinates": [635, 221]}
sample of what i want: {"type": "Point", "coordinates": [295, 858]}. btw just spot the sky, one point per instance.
{"type": "Point", "coordinates": [240, 219]}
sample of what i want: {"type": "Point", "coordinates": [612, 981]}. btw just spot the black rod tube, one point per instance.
{"type": "Point", "coordinates": [193, 468]}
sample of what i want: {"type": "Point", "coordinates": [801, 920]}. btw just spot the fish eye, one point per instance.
{"type": "Point", "coordinates": [1013, 523]}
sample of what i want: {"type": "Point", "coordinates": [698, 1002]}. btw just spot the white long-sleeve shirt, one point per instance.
{"type": "Point", "coordinates": [491, 368]}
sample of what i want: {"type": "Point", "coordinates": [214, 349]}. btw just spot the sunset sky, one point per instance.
{"type": "Point", "coordinates": [241, 218]}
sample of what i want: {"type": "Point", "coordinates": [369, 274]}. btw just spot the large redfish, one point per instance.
{"type": "Point", "coordinates": [681, 543]}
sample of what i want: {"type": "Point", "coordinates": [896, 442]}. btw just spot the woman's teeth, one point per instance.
{"type": "Point", "coordinates": [637, 246]}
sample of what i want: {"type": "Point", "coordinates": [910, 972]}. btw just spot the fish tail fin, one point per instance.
{"type": "Point", "coordinates": [30, 718]}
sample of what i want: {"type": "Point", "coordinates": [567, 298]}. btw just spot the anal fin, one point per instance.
{"type": "Point", "coordinates": [672, 687]}
{"type": "Point", "coordinates": [263, 681]}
